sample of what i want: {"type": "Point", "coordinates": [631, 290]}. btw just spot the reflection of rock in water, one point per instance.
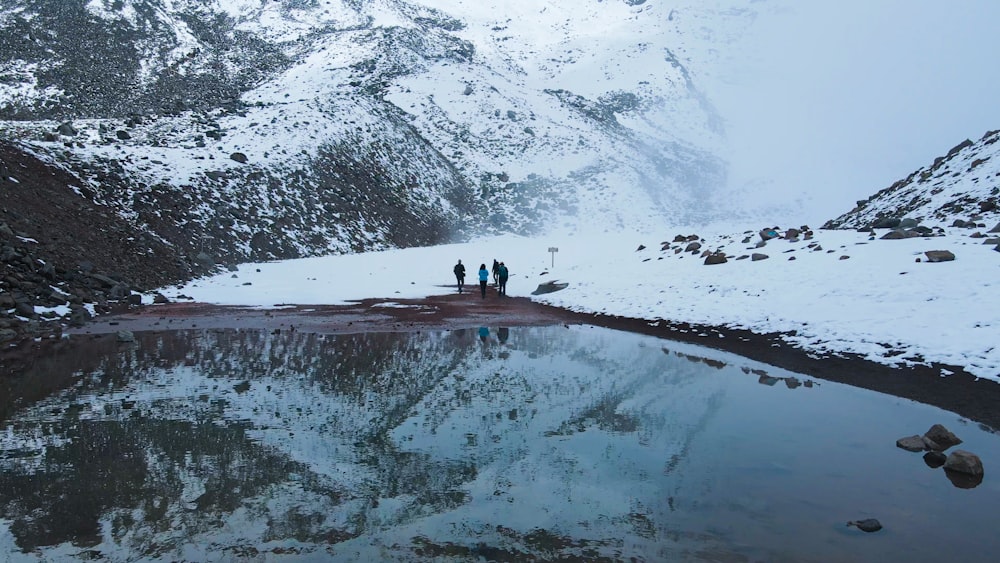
{"type": "Point", "coordinates": [963, 480]}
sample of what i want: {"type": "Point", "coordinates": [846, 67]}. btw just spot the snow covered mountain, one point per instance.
{"type": "Point", "coordinates": [959, 189]}
{"type": "Point", "coordinates": [280, 129]}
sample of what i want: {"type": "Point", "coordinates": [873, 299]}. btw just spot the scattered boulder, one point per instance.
{"type": "Point", "coordinates": [939, 256]}
{"type": "Point", "coordinates": [899, 234]}
{"type": "Point", "coordinates": [239, 157]}
{"type": "Point", "coordinates": [768, 234]}
{"type": "Point", "coordinates": [757, 256]}
{"type": "Point", "coordinates": [908, 223]}
{"type": "Point", "coordinates": [715, 258]}
{"type": "Point", "coordinates": [867, 525]}
{"type": "Point", "coordinates": [934, 459]}
{"type": "Point", "coordinates": [911, 444]}
{"type": "Point", "coordinates": [641, 247]}
{"type": "Point", "coordinates": [122, 135]}
{"type": "Point", "coordinates": [965, 462]}
{"type": "Point", "coordinates": [549, 287]}
{"type": "Point", "coordinates": [66, 128]}
{"type": "Point", "coordinates": [887, 223]}
{"type": "Point", "coordinates": [995, 229]}
{"type": "Point", "coordinates": [942, 437]}
{"type": "Point", "coordinates": [693, 247]}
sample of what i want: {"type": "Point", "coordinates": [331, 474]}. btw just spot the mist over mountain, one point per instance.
{"type": "Point", "coordinates": [147, 141]}
{"type": "Point", "coordinates": [279, 129]}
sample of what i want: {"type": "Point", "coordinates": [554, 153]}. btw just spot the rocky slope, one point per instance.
{"type": "Point", "coordinates": [960, 189]}
{"type": "Point", "coordinates": [215, 132]}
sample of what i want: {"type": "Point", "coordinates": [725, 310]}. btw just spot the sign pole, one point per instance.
{"type": "Point", "coordinates": [552, 251]}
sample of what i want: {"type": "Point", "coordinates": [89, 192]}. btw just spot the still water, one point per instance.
{"type": "Point", "coordinates": [496, 444]}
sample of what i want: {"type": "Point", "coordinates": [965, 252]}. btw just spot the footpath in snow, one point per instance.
{"type": "Point", "coordinates": [832, 292]}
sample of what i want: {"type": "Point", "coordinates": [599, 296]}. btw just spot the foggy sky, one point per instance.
{"type": "Point", "coordinates": [830, 101]}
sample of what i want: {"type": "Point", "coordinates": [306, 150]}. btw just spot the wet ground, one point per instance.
{"type": "Point", "coordinates": [562, 441]}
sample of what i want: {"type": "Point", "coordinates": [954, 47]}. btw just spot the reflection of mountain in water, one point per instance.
{"type": "Point", "coordinates": [248, 441]}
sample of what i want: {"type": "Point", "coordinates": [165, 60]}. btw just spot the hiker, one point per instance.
{"type": "Point", "coordinates": [496, 272]}
{"type": "Point", "coordinates": [502, 276]}
{"type": "Point", "coordinates": [484, 276]}
{"type": "Point", "coordinates": [460, 275]}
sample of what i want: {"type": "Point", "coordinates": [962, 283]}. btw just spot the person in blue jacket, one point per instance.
{"type": "Point", "coordinates": [484, 276]}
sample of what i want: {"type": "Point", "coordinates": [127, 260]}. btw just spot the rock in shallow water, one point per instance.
{"type": "Point", "coordinates": [868, 525]}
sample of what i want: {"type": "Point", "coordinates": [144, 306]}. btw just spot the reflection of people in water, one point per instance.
{"type": "Point", "coordinates": [484, 333]}
{"type": "Point", "coordinates": [503, 333]}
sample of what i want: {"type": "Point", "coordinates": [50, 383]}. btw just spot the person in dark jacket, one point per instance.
{"type": "Point", "coordinates": [496, 272]}
{"type": "Point", "coordinates": [484, 276]}
{"type": "Point", "coordinates": [502, 275]}
{"type": "Point", "coordinates": [459, 270]}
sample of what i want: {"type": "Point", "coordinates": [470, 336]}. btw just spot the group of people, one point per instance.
{"type": "Point", "coordinates": [500, 275]}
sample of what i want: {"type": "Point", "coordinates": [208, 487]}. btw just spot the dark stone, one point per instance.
{"type": "Point", "coordinates": [899, 234]}
{"type": "Point", "coordinates": [887, 223]}
{"type": "Point", "coordinates": [868, 525]}
{"type": "Point", "coordinates": [159, 298]}
{"type": "Point", "coordinates": [693, 247]}
{"type": "Point", "coordinates": [768, 234]}
{"type": "Point", "coordinates": [964, 462]}
{"type": "Point", "coordinates": [239, 157]}
{"type": "Point", "coordinates": [939, 256]}
{"type": "Point", "coordinates": [934, 459]}
{"type": "Point", "coordinates": [549, 287]}
{"type": "Point", "coordinates": [78, 315]}
{"type": "Point", "coordinates": [757, 256]}
{"type": "Point", "coordinates": [715, 258]}
{"type": "Point", "coordinates": [66, 128]}
{"type": "Point", "coordinates": [911, 444]}
{"type": "Point", "coordinates": [942, 437]}
{"type": "Point", "coordinates": [123, 135]}
{"type": "Point", "coordinates": [963, 480]}
{"type": "Point", "coordinates": [908, 223]}
{"type": "Point", "coordinates": [641, 247]}
{"type": "Point", "coordinates": [120, 292]}
{"type": "Point", "coordinates": [24, 309]}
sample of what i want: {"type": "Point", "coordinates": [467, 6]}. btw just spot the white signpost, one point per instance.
{"type": "Point", "coordinates": [553, 251]}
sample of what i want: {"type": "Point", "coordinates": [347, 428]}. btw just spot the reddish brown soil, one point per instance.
{"type": "Point", "coordinates": [960, 393]}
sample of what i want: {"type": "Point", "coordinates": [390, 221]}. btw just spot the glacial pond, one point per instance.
{"type": "Point", "coordinates": [497, 444]}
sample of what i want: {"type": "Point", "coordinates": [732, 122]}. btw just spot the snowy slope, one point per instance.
{"type": "Point", "coordinates": [462, 116]}
{"type": "Point", "coordinates": [963, 185]}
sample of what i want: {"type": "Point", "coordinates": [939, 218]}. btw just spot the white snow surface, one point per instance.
{"type": "Point", "coordinates": [839, 292]}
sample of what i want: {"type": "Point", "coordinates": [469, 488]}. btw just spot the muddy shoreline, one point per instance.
{"type": "Point", "coordinates": [960, 393]}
